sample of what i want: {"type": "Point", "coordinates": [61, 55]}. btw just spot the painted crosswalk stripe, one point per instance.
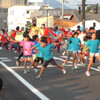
{"type": "Point", "coordinates": [6, 60]}
{"type": "Point", "coordinates": [1, 58]}
{"type": "Point", "coordinates": [27, 84]}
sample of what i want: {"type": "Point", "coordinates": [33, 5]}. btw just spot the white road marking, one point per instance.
{"type": "Point", "coordinates": [16, 57]}
{"type": "Point", "coordinates": [28, 85]}
{"type": "Point", "coordinates": [6, 60]}
{"type": "Point", "coordinates": [77, 64]}
{"type": "Point", "coordinates": [95, 69]}
{"type": "Point", "coordinates": [1, 58]}
{"type": "Point", "coordinates": [72, 57]}
{"type": "Point", "coordinates": [66, 57]}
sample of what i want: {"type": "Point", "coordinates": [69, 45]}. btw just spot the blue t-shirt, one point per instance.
{"type": "Point", "coordinates": [82, 28]}
{"type": "Point", "coordinates": [35, 42]}
{"type": "Point", "coordinates": [38, 45]}
{"type": "Point", "coordinates": [93, 45]}
{"type": "Point", "coordinates": [99, 48]}
{"type": "Point", "coordinates": [70, 46]}
{"type": "Point", "coordinates": [47, 52]}
{"type": "Point", "coordinates": [76, 43]}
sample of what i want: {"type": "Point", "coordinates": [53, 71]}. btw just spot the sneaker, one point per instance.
{"type": "Point", "coordinates": [28, 67]}
{"type": "Point", "coordinates": [93, 64]}
{"type": "Point", "coordinates": [98, 67]}
{"type": "Point", "coordinates": [38, 77]}
{"type": "Point", "coordinates": [63, 65]}
{"type": "Point", "coordinates": [78, 61]}
{"type": "Point", "coordinates": [85, 65]}
{"type": "Point", "coordinates": [39, 62]}
{"type": "Point", "coordinates": [25, 71]}
{"type": "Point", "coordinates": [63, 53]}
{"type": "Point", "coordinates": [73, 68]}
{"type": "Point", "coordinates": [87, 73]}
{"type": "Point", "coordinates": [64, 71]}
{"type": "Point", "coordinates": [36, 70]}
{"type": "Point", "coordinates": [0, 48]}
{"type": "Point", "coordinates": [17, 63]}
{"type": "Point", "coordinates": [15, 51]}
{"type": "Point", "coordinates": [28, 70]}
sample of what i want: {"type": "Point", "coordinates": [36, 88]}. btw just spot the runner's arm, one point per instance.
{"type": "Point", "coordinates": [63, 45]}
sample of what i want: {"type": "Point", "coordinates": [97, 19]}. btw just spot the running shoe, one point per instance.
{"type": "Point", "coordinates": [98, 67]}
{"type": "Point", "coordinates": [17, 63]}
{"type": "Point", "coordinates": [63, 53]}
{"type": "Point", "coordinates": [76, 67]}
{"type": "Point", "coordinates": [35, 70]}
{"type": "Point", "coordinates": [38, 77]}
{"type": "Point", "coordinates": [25, 71]}
{"type": "Point", "coordinates": [28, 70]}
{"type": "Point", "coordinates": [28, 67]}
{"type": "Point", "coordinates": [63, 65]}
{"type": "Point", "coordinates": [87, 73]}
{"type": "Point", "coordinates": [0, 48]}
{"type": "Point", "coordinates": [73, 68]}
{"type": "Point", "coordinates": [85, 65]}
{"type": "Point", "coordinates": [64, 71]}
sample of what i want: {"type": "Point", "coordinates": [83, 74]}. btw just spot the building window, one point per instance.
{"type": "Point", "coordinates": [28, 12]}
{"type": "Point", "coordinates": [17, 1]}
{"type": "Point", "coordinates": [25, 1]}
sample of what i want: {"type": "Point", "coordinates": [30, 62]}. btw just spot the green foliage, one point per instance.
{"type": "Point", "coordinates": [89, 8]}
{"type": "Point", "coordinates": [28, 26]}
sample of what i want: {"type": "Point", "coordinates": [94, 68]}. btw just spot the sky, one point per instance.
{"type": "Point", "coordinates": [71, 3]}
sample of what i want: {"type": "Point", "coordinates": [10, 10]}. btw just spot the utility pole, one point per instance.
{"type": "Point", "coordinates": [62, 9]}
{"type": "Point", "coordinates": [83, 14]}
{"type": "Point", "coordinates": [47, 12]}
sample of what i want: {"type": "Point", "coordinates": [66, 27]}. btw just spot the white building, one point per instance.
{"type": "Point", "coordinates": [20, 16]}
{"type": "Point", "coordinates": [88, 24]}
{"type": "Point", "coordinates": [35, 2]}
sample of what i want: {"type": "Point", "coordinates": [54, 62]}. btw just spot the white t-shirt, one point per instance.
{"type": "Point", "coordinates": [81, 37]}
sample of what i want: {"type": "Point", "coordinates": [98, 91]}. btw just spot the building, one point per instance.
{"type": "Point", "coordinates": [51, 16]}
{"type": "Point", "coordinates": [9, 3]}
{"type": "Point", "coordinates": [88, 24]}
{"type": "Point", "coordinates": [34, 2]}
{"type": "Point", "coordinates": [4, 5]}
{"type": "Point", "coordinates": [20, 16]}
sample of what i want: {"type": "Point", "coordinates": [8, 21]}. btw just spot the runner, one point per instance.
{"type": "Point", "coordinates": [27, 54]}
{"type": "Point", "coordinates": [93, 45]}
{"type": "Point", "coordinates": [48, 56]}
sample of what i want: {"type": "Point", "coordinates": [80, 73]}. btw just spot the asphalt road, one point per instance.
{"type": "Point", "coordinates": [75, 85]}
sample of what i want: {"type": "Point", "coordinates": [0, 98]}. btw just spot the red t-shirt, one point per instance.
{"type": "Point", "coordinates": [14, 34]}
{"type": "Point", "coordinates": [4, 37]}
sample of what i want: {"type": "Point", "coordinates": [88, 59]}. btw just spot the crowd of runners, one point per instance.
{"type": "Point", "coordinates": [38, 45]}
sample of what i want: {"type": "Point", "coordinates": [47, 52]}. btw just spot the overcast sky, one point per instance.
{"type": "Point", "coordinates": [71, 3]}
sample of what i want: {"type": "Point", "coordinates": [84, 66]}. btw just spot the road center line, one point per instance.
{"type": "Point", "coordinates": [77, 64]}
{"type": "Point", "coordinates": [28, 85]}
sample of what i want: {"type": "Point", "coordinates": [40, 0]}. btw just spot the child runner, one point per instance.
{"type": "Point", "coordinates": [4, 39]}
{"type": "Point", "coordinates": [87, 52]}
{"type": "Point", "coordinates": [93, 45]}
{"type": "Point", "coordinates": [76, 44]}
{"type": "Point", "coordinates": [27, 54]}
{"type": "Point", "coordinates": [70, 51]}
{"type": "Point", "coordinates": [21, 51]}
{"type": "Point", "coordinates": [34, 55]}
{"type": "Point", "coordinates": [48, 56]}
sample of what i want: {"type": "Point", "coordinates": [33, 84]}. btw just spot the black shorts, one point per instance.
{"type": "Point", "coordinates": [37, 59]}
{"type": "Point", "coordinates": [45, 64]}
